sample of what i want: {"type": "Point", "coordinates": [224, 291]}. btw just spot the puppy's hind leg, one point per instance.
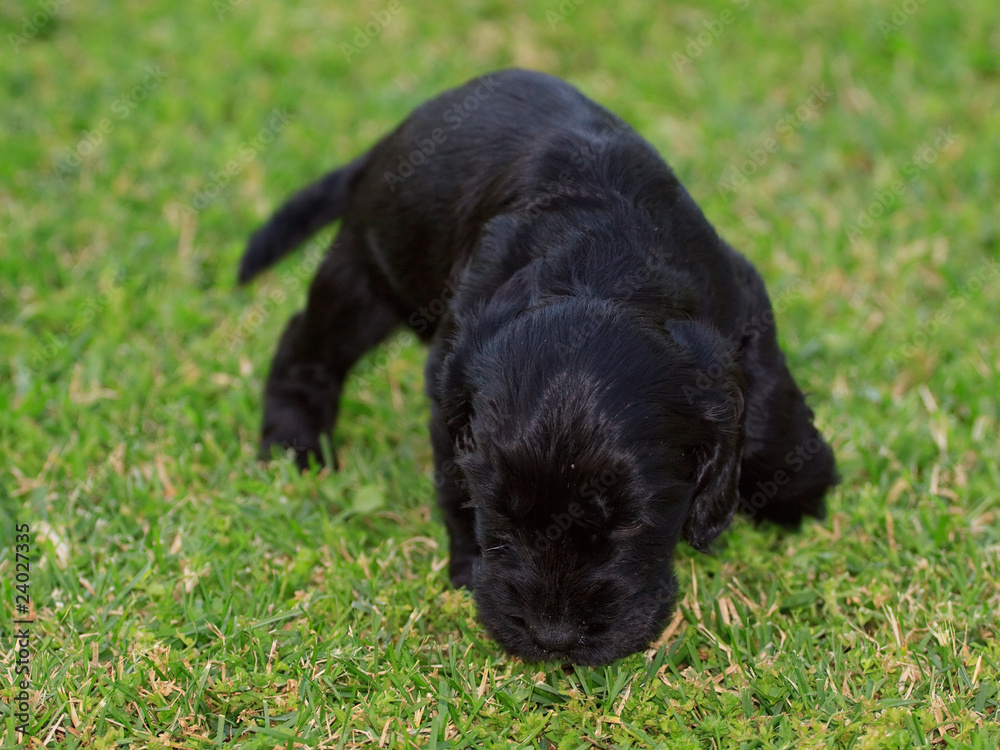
{"type": "Point", "coordinates": [347, 313]}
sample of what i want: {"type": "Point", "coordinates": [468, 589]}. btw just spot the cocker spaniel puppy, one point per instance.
{"type": "Point", "coordinates": [604, 374]}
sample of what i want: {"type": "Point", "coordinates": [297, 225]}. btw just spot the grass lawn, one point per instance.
{"type": "Point", "coordinates": [185, 596]}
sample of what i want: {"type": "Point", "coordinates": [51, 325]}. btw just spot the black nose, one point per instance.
{"type": "Point", "coordinates": [557, 636]}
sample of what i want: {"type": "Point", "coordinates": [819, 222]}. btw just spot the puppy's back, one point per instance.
{"type": "Point", "coordinates": [495, 144]}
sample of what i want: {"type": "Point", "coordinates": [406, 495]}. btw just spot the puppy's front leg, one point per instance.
{"type": "Point", "coordinates": [453, 498]}
{"type": "Point", "coordinates": [347, 314]}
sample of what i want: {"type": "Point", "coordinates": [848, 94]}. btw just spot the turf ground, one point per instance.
{"type": "Point", "coordinates": [184, 596]}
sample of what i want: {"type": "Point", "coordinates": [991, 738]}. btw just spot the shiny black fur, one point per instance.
{"type": "Point", "coordinates": [603, 371]}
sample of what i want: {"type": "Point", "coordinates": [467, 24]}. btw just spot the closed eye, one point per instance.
{"type": "Point", "coordinates": [518, 621]}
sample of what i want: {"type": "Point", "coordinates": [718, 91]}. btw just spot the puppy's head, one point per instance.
{"type": "Point", "coordinates": [590, 445]}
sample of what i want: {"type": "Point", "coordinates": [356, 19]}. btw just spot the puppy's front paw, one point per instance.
{"type": "Point", "coordinates": [461, 571]}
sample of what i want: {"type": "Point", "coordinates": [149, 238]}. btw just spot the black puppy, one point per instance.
{"type": "Point", "coordinates": [603, 372]}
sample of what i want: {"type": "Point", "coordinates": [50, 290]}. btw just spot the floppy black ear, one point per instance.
{"type": "Point", "coordinates": [716, 493]}
{"type": "Point", "coordinates": [787, 465]}
{"type": "Point", "coordinates": [718, 394]}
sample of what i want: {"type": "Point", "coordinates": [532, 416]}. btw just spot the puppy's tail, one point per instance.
{"type": "Point", "coordinates": [304, 214]}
